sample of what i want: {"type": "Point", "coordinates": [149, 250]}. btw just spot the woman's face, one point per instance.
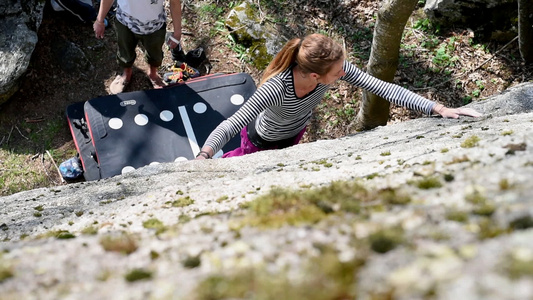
{"type": "Point", "coordinates": [334, 73]}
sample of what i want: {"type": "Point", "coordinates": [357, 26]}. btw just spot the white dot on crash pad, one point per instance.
{"type": "Point", "coordinates": [166, 115]}
{"type": "Point", "coordinates": [237, 99]}
{"type": "Point", "coordinates": [199, 108]}
{"type": "Point", "coordinates": [181, 158]}
{"type": "Point", "coordinates": [127, 169]}
{"type": "Point", "coordinates": [141, 119]}
{"type": "Point", "coordinates": [115, 123]}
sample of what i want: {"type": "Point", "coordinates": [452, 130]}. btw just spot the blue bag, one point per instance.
{"type": "Point", "coordinates": [71, 168]}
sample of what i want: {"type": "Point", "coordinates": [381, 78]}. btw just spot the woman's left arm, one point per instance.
{"type": "Point", "coordinates": [399, 95]}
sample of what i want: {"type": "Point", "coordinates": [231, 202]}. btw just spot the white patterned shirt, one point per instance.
{"type": "Point", "coordinates": [141, 16]}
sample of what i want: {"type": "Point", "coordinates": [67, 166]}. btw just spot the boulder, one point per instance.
{"type": "Point", "coordinates": [261, 40]}
{"type": "Point", "coordinates": [431, 206]}
{"type": "Point", "coordinates": [485, 17]}
{"type": "Point", "coordinates": [19, 23]}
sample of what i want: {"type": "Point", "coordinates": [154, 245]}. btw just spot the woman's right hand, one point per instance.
{"type": "Point", "coordinates": [205, 153]}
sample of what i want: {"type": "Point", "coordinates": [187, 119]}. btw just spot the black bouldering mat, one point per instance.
{"type": "Point", "coordinates": [119, 133]}
{"type": "Point", "coordinates": [82, 140]}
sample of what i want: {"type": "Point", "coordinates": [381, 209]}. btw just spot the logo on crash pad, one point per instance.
{"type": "Point", "coordinates": [128, 102]}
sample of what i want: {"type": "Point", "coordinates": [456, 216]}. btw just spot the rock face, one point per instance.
{"type": "Point", "coordinates": [19, 22]}
{"type": "Point", "coordinates": [426, 207]}
{"type": "Point", "coordinates": [262, 40]}
{"type": "Point", "coordinates": [489, 18]}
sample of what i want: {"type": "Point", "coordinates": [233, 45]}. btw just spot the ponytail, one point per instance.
{"type": "Point", "coordinates": [282, 60]}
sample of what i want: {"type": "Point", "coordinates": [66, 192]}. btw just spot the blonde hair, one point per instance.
{"type": "Point", "coordinates": [315, 53]}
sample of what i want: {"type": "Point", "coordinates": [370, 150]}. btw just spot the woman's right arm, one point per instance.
{"type": "Point", "coordinates": [268, 94]}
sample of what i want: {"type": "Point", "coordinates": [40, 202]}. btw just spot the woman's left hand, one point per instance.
{"type": "Point", "coordinates": [454, 113]}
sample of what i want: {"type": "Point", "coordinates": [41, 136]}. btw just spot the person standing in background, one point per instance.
{"type": "Point", "coordinates": [141, 21]}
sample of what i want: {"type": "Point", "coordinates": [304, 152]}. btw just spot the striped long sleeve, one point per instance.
{"type": "Point", "coordinates": [386, 90]}
{"type": "Point", "coordinates": [281, 114]}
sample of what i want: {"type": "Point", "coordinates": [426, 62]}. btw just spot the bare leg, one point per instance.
{"type": "Point", "coordinates": [156, 80]}
{"type": "Point", "coordinates": [126, 74]}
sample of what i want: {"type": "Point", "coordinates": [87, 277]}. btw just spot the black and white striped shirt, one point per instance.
{"type": "Point", "coordinates": [281, 114]}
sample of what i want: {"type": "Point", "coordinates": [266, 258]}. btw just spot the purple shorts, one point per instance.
{"type": "Point", "coordinates": [247, 147]}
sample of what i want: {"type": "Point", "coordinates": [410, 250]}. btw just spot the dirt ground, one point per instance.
{"type": "Point", "coordinates": [33, 121]}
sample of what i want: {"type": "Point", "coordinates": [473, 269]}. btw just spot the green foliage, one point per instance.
{"type": "Point", "coordinates": [476, 93]}
{"type": "Point", "coordinates": [222, 199]}
{"type": "Point", "coordinates": [359, 40]}
{"type": "Point", "coordinates": [182, 202]}
{"type": "Point", "coordinates": [191, 262]}
{"type": "Point", "coordinates": [475, 197]}
{"type": "Point", "coordinates": [394, 196]}
{"type": "Point", "coordinates": [488, 229]}
{"type": "Point", "coordinates": [425, 25]}
{"type": "Point", "coordinates": [386, 153]}
{"type": "Point", "coordinates": [485, 209]}
{"type": "Point", "coordinates": [324, 162]}
{"type": "Point", "coordinates": [470, 142]}
{"type": "Point", "coordinates": [154, 255]}
{"type": "Point", "coordinates": [518, 265]}
{"type": "Point", "coordinates": [457, 216]}
{"type": "Point", "coordinates": [14, 178]}
{"type": "Point", "coordinates": [6, 272]}
{"type": "Point", "coordinates": [287, 207]}
{"type": "Point", "coordinates": [281, 207]}
{"type": "Point", "coordinates": [427, 183]}
{"type": "Point", "coordinates": [123, 243]}
{"type": "Point", "coordinates": [43, 134]}
{"type": "Point", "coordinates": [504, 184]}
{"type": "Point", "coordinates": [386, 240]}
{"type": "Point", "coordinates": [430, 42]}
{"type": "Point", "coordinates": [90, 230]}
{"type": "Point", "coordinates": [138, 274]}
{"type": "Point", "coordinates": [448, 177]}
{"type": "Point", "coordinates": [239, 49]}
{"type": "Point", "coordinates": [326, 278]}
{"type": "Point", "coordinates": [64, 235]}
{"type": "Point", "coordinates": [58, 234]}
{"type": "Point", "coordinates": [522, 223]}
{"type": "Point", "coordinates": [210, 10]}
{"type": "Point", "coordinates": [444, 54]}
{"type": "Point", "coordinates": [155, 224]}
{"type": "Point", "coordinates": [184, 218]}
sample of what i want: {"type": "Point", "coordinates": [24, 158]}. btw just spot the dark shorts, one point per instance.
{"type": "Point", "coordinates": [127, 42]}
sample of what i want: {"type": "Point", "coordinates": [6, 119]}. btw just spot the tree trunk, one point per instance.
{"type": "Point", "coordinates": [383, 61]}
{"type": "Point", "coordinates": [525, 29]}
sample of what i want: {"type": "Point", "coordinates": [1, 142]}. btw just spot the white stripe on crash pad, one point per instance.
{"type": "Point", "coordinates": [188, 129]}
